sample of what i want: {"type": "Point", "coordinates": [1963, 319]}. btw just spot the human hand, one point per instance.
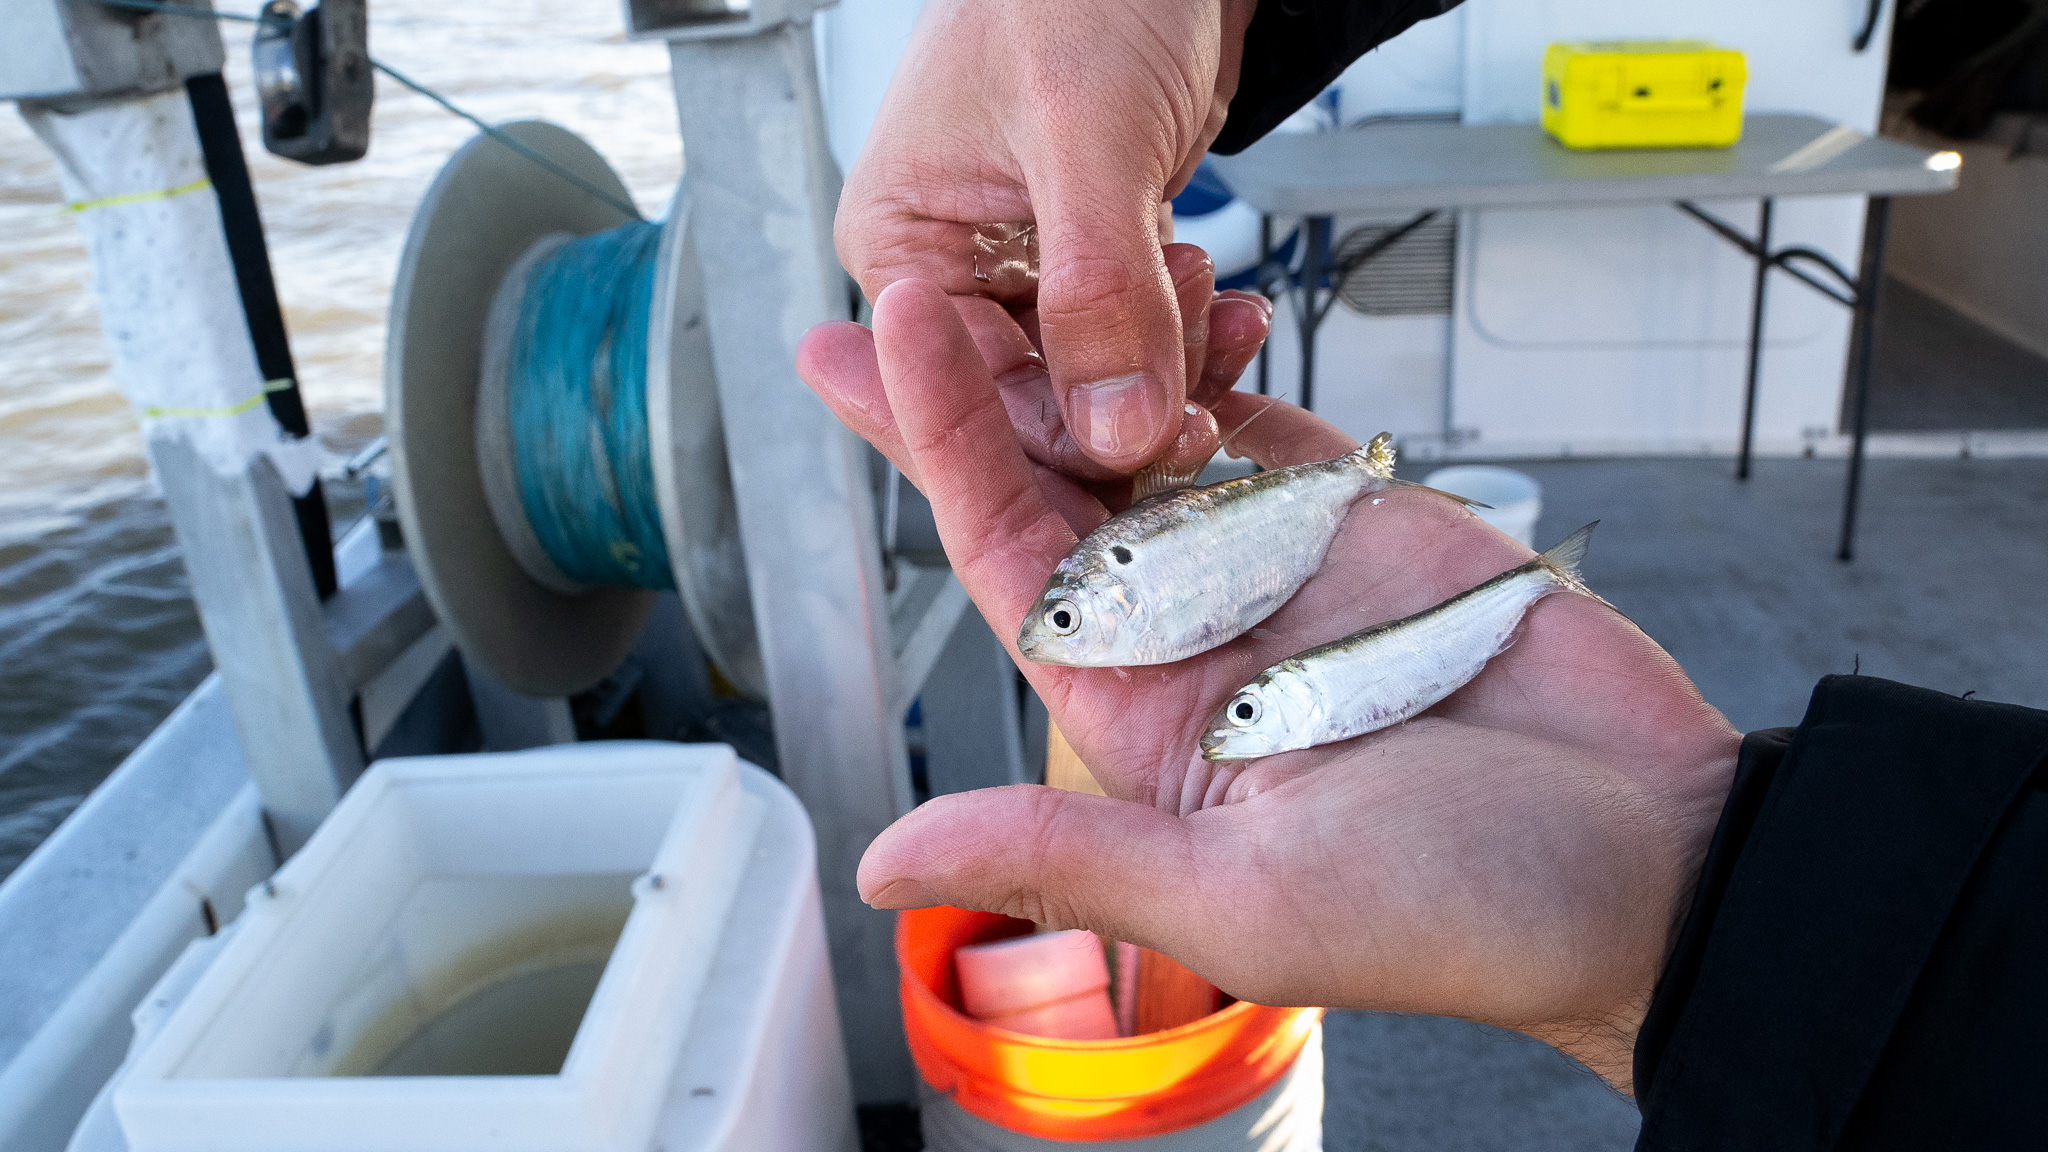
{"type": "Point", "coordinates": [1519, 855]}
{"type": "Point", "coordinates": [1023, 153]}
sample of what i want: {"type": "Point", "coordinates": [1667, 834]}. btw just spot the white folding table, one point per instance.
{"type": "Point", "coordinates": [1430, 166]}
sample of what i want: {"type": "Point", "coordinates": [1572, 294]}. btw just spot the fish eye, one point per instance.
{"type": "Point", "coordinates": [1122, 554]}
{"type": "Point", "coordinates": [1063, 618]}
{"type": "Point", "coordinates": [1243, 710]}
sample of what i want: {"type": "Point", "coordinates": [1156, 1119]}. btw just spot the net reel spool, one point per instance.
{"type": "Point", "coordinates": [489, 225]}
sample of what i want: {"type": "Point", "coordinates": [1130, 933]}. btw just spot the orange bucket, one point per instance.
{"type": "Point", "coordinates": [1119, 1089]}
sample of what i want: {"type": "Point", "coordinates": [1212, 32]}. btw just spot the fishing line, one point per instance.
{"type": "Point", "coordinates": [576, 379]}
{"type": "Point", "coordinates": [576, 383]}
{"type": "Point", "coordinates": [172, 8]}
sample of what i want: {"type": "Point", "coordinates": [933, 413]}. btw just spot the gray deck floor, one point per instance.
{"type": "Point", "coordinates": [1939, 370]}
{"type": "Point", "coordinates": [1950, 591]}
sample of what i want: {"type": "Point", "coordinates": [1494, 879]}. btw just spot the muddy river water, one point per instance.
{"type": "Point", "coordinates": [98, 639]}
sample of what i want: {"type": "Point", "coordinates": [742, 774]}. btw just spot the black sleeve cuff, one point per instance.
{"type": "Point", "coordinates": [1828, 890]}
{"type": "Point", "coordinates": [1293, 49]}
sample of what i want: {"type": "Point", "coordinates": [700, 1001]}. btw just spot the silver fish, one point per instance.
{"type": "Point", "coordinates": [1388, 672]}
{"type": "Point", "coordinates": [1181, 572]}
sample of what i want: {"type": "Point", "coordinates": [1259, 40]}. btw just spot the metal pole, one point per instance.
{"type": "Point", "coordinates": [1315, 234]}
{"type": "Point", "coordinates": [182, 351]}
{"type": "Point", "coordinates": [1265, 258]}
{"type": "Point", "coordinates": [1868, 280]}
{"type": "Point", "coordinates": [1756, 334]}
{"type": "Point", "coordinates": [761, 191]}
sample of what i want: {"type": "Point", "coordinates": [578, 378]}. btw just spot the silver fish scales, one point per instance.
{"type": "Point", "coordinates": [1179, 573]}
{"type": "Point", "coordinates": [1389, 672]}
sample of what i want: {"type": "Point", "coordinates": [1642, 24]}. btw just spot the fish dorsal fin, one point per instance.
{"type": "Point", "coordinates": [1467, 501]}
{"type": "Point", "coordinates": [1232, 434]}
{"type": "Point", "coordinates": [1156, 477]}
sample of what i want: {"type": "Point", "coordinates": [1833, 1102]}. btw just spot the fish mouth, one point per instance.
{"type": "Point", "coordinates": [1036, 649]}
{"type": "Point", "coordinates": [1215, 747]}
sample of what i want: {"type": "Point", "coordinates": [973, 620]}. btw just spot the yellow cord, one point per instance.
{"type": "Point", "coordinates": [269, 386]}
{"type": "Point", "coordinates": [198, 185]}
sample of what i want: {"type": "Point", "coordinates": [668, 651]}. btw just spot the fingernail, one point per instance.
{"type": "Point", "coordinates": [1116, 416]}
{"type": "Point", "coordinates": [1263, 307]}
{"type": "Point", "coordinates": [899, 894]}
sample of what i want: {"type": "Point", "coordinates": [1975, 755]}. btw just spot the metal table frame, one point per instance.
{"type": "Point", "coordinates": [1315, 288]}
{"type": "Point", "coordinates": [1434, 167]}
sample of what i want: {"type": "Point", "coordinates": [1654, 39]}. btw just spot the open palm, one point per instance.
{"type": "Point", "coordinates": [1514, 855]}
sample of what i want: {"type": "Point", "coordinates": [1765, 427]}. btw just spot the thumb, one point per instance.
{"type": "Point", "coordinates": [1107, 313]}
{"type": "Point", "coordinates": [1066, 859]}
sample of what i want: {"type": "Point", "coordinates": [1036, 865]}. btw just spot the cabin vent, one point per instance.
{"type": "Point", "coordinates": [1411, 278]}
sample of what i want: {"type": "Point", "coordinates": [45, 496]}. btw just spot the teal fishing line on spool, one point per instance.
{"type": "Point", "coordinates": [576, 381]}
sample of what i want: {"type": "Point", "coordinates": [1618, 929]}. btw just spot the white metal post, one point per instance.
{"type": "Point", "coordinates": [762, 188]}
{"type": "Point", "coordinates": [181, 349]}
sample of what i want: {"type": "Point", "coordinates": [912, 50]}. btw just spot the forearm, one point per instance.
{"type": "Point", "coordinates": [1855, 970]}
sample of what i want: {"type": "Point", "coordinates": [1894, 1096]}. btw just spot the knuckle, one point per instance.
{"type": "Point", "coordinates": [1051, 895]}
{"type": "Point", "coordinates": [1087, 286]}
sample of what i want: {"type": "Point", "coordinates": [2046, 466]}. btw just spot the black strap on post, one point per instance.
{"type": "Point", "coordinates": [229, 172]}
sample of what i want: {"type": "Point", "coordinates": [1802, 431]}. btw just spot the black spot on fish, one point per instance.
{"type": "Point", "coordinates": [1122, 554]}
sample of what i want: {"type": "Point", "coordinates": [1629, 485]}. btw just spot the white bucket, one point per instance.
{"type": "Point", "coordinates": [586, 948]}
{"type": "Point", "coordinates": [1516, 497]}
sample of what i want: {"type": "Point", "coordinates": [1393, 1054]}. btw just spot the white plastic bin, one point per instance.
{"type": "Point", "coordinates": [586, 948]}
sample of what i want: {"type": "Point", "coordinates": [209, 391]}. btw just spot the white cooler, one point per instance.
{"type": "Point", "coordinates": [588, 948]}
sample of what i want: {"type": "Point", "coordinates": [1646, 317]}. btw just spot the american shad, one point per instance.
{"type": "Point", "coordinates": [1388, 672]}
{"type": "Point", "coordinates": [1181, 572]}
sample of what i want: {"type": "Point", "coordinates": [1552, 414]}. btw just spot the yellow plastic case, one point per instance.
{"type": "Point", "coordinates": [1643, 94]}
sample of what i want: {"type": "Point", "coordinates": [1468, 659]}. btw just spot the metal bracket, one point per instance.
{"type": "Point", "coordinates": [313, 77]}
{"type": "Point", "coordinates": [713, 19]}
{"type": "Point", "coordinates": [924, 610]}
{"type": "Point", "coordinates": [60, 49]}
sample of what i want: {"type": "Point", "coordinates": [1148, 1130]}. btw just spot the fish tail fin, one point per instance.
{"type": "Point", "coordinates": [1562, 562]}
{"type": "Point", "coordinates": [1467, 501]}
{"type": "Point", "coordinates": [1565, 557]}
{"type": "Point", "coordinates": [1376, 456]}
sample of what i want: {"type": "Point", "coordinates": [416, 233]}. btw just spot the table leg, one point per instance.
{"type": "Point", "coordinates": [1265, 258]}
{"type": "Point", "coordinates": [1869, 278]}
{"type": "Point", "coordinates": [1315, 235]}
{"type": "Point", "coordinates": [1756, 334]}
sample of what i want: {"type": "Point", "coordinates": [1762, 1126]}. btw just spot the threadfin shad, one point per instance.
{"type": "Point", "coordinates": [1181, 572]}
{"type": "Point", "coordinates": [1388, 672]}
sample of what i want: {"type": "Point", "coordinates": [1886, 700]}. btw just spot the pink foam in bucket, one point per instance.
{"type": "Point", "coordinates": [1053, 984]}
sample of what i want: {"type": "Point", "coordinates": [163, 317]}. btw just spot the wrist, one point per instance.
{"type": "Point", "coordinates": [1603, 1038]}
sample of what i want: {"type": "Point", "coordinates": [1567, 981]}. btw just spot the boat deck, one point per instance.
{"type": "Point", "coordinates": [1740, 584]}
{"type": "Point", "coordinates": [1738, 581]}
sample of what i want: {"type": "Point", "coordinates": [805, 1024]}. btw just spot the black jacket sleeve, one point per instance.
{"type": "Point", "coordinates": [1865, 963]}
{"type": "Point", "coordinates": [1294, 48]}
